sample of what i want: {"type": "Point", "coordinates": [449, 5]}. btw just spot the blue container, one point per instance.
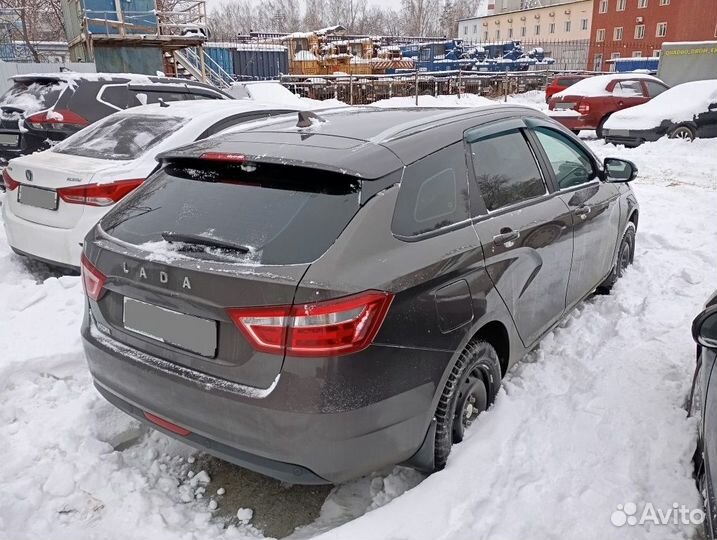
{"type": "Point", "coordinates": [260, 62]}
{"type": "Point", "coordinates": [223, 56]}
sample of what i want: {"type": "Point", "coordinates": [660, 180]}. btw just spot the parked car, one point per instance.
{"type": "Point", "coordinates": [703, 406]}
{"type": "Point", "coordinates": [588, 103]}
{"type": "Point", "coordinates": [560, 83]}
{"type": "Point", "coordinates": [41, 109]}
{"type": "Point", "coordinates": [318, 300]}
{"type": "Point", "coordinates": [54, 197]}
{"type": "Point", "coordinates": [685, 111]}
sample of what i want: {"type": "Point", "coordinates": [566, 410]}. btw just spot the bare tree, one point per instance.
{"type": "Point", "coordinates": [30, 21]}
{"type": "Point", "coordinates": [420, 17]}
{"type": "Point", "coordinates": [232, 18]}
{"type": "Point", "coordinates": [314, 14]}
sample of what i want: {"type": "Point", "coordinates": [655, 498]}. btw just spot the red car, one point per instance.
{"type": "Point", "coordinates": [560, 83]}
{"type": "Point", "coordinates": [588, 103]}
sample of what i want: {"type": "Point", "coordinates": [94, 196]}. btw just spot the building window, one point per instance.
{"type": "Point", "coordinates": [465, 30]}
{"type": "Point", "coordinates": [485, 35]}
{"type": "Point", "coordinates": [583, 24]}
{"type": "Point", "coordinates": [537, 29]}
{"type": "Point", "coordinates": [617, 33]}
{"type": "Point", "coordinates": [497, 33]}
{"type": "Point", "coordinates": [621, 5]}
{"type": "Point", "coordinates": [656, 53]}
{"type": "Point", "coordinates": [639, 31]}
{"type": "Point", "coordinates": [600, 35]}
{"type": "Point", "coordinates": [664, 2]}
{"type": "Point", "coordinates": [510, 33]}
{"type": "Point", "coordinates": [567, 26]}
{"type": "Point", "coordinates": [661, 29]}
{"type": "Point", "coordinates": [522, 31]}
{"type": "Point", "coordinates": [603, 6]}
{"type": "Point", "coordinates": [551, 28]}
{"type": "Point", "coordinates": [637, 54]}
{"type": "Point", "coordinates": [614, 56]}
{"type": "Point", "coordinates": [597, 62]}
{"type": "Point", "coordinates": [475, 29]}
{"type": "Point", "coordinates": [641, 4]}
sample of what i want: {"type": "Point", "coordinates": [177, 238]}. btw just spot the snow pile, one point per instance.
{"type": "Point", "coordinates": [592, 419]}
{"type": "Point", "coordinates": [305, 55]}
{"type": "Point", "coordinates": [678, 104]}
{"type": "Point", "coordinates": [596, 86]}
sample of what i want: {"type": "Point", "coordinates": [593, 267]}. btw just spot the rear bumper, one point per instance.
{"type": "Point", "coordinates": [52, 245]}
{"type": "Point", "coordinates": [575, 123]}
{"type": "Point", "coordinates": [272, 431]}
{"type": "Point", "coordinates": [631, 138]}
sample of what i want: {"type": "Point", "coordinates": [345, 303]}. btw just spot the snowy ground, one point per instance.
{"type": "Point", "coordinates": [591, 420]}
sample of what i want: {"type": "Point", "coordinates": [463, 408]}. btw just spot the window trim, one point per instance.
{"type": "Point", "coordinates": [100, 95]}
{"type": "Point", "coordinates": [496, 127]}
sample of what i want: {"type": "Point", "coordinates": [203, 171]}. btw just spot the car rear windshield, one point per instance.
{"type": "Point", "coordinates": [29, 96]}
{"type": "Point", "coordinates": [272, 214]}
{"type": "Point", "coordinates": [568, 81]}
{"type": "Point", "coordinates": [120, 137]}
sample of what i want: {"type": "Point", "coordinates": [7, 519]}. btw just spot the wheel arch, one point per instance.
{"type": "Point", "coordinates": [634, 217]}
{"type": "Point", "coordinates": [495, 333]}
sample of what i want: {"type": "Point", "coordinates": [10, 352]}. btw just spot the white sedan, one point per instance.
{"type": "Point", "coordinates": [55, 197]}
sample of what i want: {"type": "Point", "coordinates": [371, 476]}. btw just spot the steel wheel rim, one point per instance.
{"type": "Point", "coordinates": [472, 399]}
{"type": "Point", "coordinates": [682, 133]}
{"type": "Point", "coordinates": [624, 257]}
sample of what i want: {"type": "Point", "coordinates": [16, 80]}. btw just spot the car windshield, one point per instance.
{"type": "Point", "coordinates": [121, 136]}
{"type": "Point", "coordinates": [31, 96]}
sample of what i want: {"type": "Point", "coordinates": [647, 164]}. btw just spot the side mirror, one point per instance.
{"type": "Point", "coordinates": [619, 170]}
{"type": "Point", "coordinates": [704, 328]}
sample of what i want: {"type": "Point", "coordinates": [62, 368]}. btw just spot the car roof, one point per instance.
{"type": "Point", "coordinates": [367, 142]}
{"type": "Point", "coordinates": [201, 107]}
{"type": "Point", "coordinates": [597, 85]}
{"type": "Point", "coordinates": [71, 77]}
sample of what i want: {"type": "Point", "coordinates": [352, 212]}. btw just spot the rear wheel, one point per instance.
{"type": "Point", "coordinates": [682, 132]}
{"type": "Point", "coordinates": [600, 126]}
{"type": "Point", "coordinates": [470, 389]}
{"type": "Point", "coordinates": [625, 256]}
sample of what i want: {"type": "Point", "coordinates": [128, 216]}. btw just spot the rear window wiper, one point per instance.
{"type": "Point", "coordinates": [195, 243]}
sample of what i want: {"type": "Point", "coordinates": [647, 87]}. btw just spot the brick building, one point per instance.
{"type": "Point", "coordinates": [623, 28]}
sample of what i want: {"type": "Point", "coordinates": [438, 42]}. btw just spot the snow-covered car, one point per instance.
{"type": "Point", "coordinates": [588, 103]}
{"type": "Point", "coordinates": [703, 404]}
{"type": "Point", "coordinates": [43, 108]}
{"type": "Point", "coordinates": [685, 111]}
{"type": "Point", "coordinates": [54, 197]}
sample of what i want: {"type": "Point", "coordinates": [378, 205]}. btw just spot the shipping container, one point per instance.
{"type": "Point", "coordinates": [260, 61]}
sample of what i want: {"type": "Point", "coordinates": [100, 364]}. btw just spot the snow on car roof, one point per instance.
{"type": "Point", "coordinates": [212, 107]}
{"type": "Point", "coordinates": [75, 75]}
{"type": "Point", "coordinates": [678, 104]}
{"type": "Point", "coordinates": [595, 86]}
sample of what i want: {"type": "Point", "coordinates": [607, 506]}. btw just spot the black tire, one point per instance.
{"type": "Point", "coordinates": [601, 125]}
{"type": "Point", "coordinates": [470, 389]}
{"type": "Point", "coordinates": [625, 256]}
{"type": "Point", "coordinates": [682, 131]}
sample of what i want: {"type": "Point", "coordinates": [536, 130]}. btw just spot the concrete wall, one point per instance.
{"type": "Point", "coordinates": [8, 69]}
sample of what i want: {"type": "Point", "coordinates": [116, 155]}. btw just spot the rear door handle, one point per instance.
{"type": "Point", "coordinates": [505, 237]}
{"type": "Point", "coordinates": [582, 212]}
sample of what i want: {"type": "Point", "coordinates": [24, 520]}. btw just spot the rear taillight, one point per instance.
{"type": "Point", "coordinates": [331, 328]}
{"type": "Point", "coordinates": [9, 181]}
{"type": "Point", "coordinates": [92, 279]}
{"type": "Point", "coordinates": [98, 194]}
{"type": "Point", "coordinates": [59, 119]}
{"type": "Point", "coordinates": [583, 108]}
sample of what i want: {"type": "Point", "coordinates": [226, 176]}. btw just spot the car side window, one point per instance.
{"type": "Point", "coordinates": [115, 95]}
{"type": "Point", "coordinates": [433, 193]}
{"type": "Point", "coordinates": [570, 164]}
{"type": "Point", "coordinates": [654, 89]}
{"type": "Point", "coordinates": [628, 89]}
{"type": "Point", "coordinates": [506, 170]}
{"type": "Point", "coordinates": [146, 97]}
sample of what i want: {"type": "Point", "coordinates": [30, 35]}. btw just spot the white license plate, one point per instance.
{"type": "Point", "coordinates": [9, 139]}
{"type": "Point", "coordinates": [38, 197]}
{"type": "Point", "coordinates": [179, 329]}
